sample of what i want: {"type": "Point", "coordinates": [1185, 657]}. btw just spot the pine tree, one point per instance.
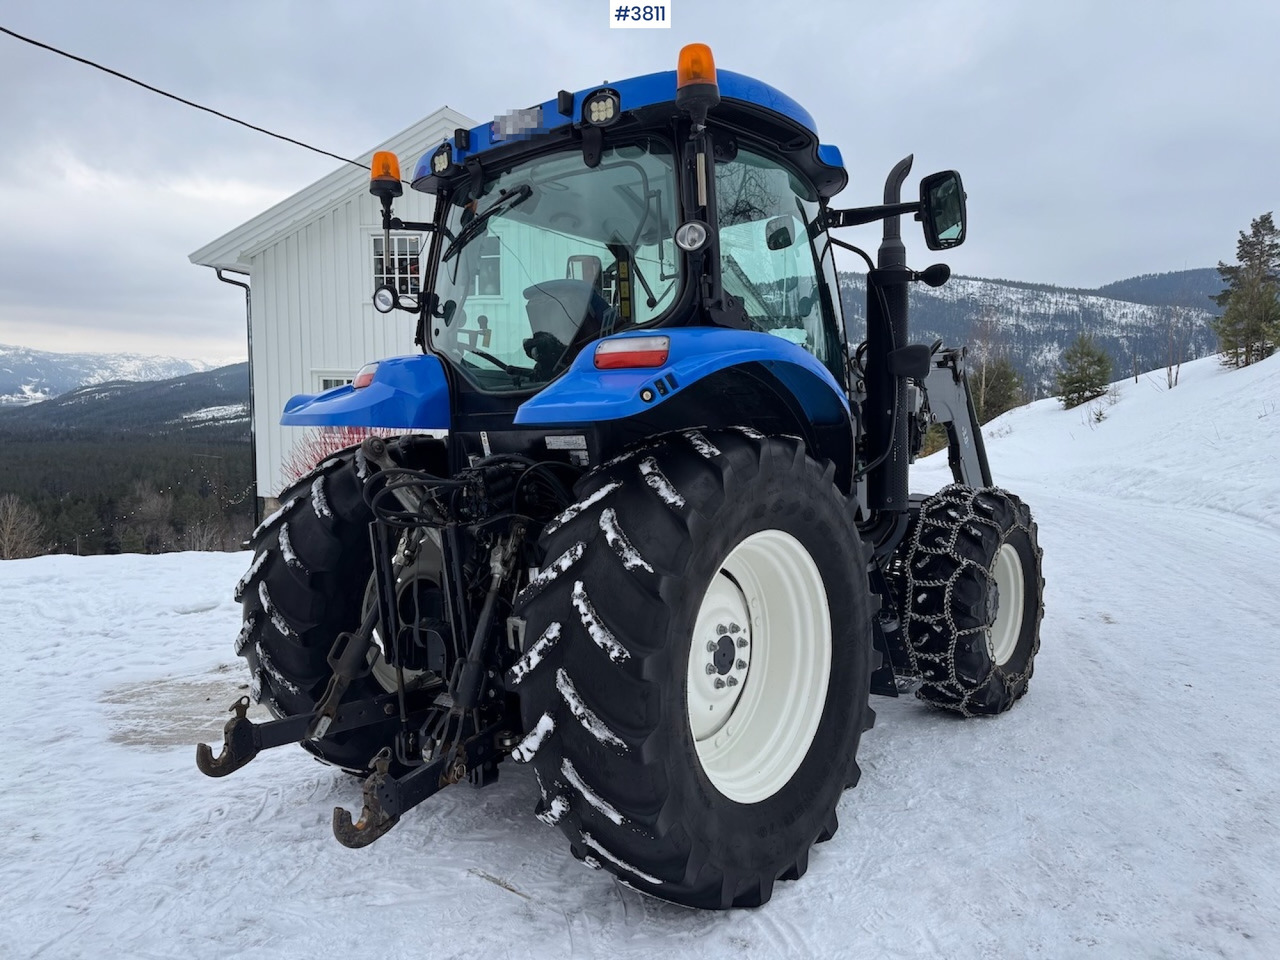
{"type": "Point", "coordinates": [1249, 328]}
{"type": "Point", "coordinates": [1085, 373]}
{"type": "Point", "coordinates": [1001, 389]}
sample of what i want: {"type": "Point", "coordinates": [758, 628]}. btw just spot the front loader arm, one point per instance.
{"type": "Point", "coordinates": [951, 404]}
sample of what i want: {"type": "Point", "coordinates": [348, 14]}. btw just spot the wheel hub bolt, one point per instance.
{"type": "Point", "coordinates": [711, 668]}
{"type": "Point", "coordinates": [740, 665]}
{"type": "Point", "coordinates": [722, 658]}
{"type": "Point", "coordinates": [742, 642]}
{"type": "Point", "coordinates": [721, 629]}
{"type": "Point", "coordinates": [719, 683]}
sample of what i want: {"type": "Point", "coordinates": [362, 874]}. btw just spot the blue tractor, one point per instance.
{"type": "Point", "coordinates": [665, 550]}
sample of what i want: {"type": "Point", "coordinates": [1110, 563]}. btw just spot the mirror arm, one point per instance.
{"type": "Point", "coordinates": [853, 216]}
{"type": "Point", "coordinates": [395, 223]}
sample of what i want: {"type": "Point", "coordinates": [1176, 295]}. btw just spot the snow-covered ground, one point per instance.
{"type": "Point", "coordinates": [223, 412]}
{"type": "Point", "coordinates": [1128, 807]}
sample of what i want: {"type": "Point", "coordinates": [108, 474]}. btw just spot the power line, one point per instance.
{"type": "Point", "coordinates": [182, 100]}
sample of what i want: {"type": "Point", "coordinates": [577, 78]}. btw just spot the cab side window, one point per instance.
{"type": "Point", "coordinates": [766, 257]}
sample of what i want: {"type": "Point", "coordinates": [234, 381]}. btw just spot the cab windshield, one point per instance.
{"type": "Point", "coordinates": [550, 256]}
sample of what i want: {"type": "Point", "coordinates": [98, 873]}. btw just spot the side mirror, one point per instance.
{"type": "Point", "coordinates": [912, 361]}
{"type": "Point", "coordinates": [779, 233]}
{"type": "Point", "coordinates": [942, 210]}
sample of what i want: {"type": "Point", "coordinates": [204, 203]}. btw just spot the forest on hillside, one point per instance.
{"type": "Point", "coordinates": [129, 467]}
{"type": "Point", "coordinates": [128, 494]}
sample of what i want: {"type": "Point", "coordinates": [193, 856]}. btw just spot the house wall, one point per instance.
{"type": "Point", "coordinates": [313, 316]}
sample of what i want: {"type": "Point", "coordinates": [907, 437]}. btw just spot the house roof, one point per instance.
{"type": "Point", "coordinates": [233, 250]}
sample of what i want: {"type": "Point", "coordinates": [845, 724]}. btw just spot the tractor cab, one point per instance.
{"type": "Point", "coordinates": [627, 208]}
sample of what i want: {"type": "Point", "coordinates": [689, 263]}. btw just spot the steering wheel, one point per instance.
{"type": "Point", "coordinates": [485, 355]}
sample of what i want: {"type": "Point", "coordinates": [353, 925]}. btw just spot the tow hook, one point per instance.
{"type": "Point", "coordinates": [239, 744]}
{"type": "Point", "coordinates": [388, 798]}
{"type": "Point", "coordinates": [242, 739]}
{"type": "Point", "coordinates": [374, 820]}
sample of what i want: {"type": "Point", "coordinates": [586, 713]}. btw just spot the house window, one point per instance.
{"type": "Point", "coordinates": [400, 269]}
{"type": "Point", "coordinates": [488, 279]}
{"type": "Point", "coordinates": [330, 381]}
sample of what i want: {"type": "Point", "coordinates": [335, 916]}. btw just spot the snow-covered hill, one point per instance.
{"type": "Point", "coordinates": [29, 376]}
{"type": "Point", "coordinates": [1128, 807]}
{"type": "Point", "coordinates": [1033, 323]}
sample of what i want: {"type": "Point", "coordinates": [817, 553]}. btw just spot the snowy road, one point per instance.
{"type": "Point", "coordinates": [1126, 808]}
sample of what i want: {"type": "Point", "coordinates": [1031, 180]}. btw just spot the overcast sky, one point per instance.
{"type": "Point", "coordinates": [1097, 140]}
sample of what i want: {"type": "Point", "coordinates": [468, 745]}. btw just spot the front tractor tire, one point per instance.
{"type": "Point", "coordinates": [697, 665]}
{"type": "Point", "coordinates": [973, 596]}
{"type": "Point", "coordinates": [307, 583]}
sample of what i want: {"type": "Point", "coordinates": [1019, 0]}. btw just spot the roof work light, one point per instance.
{"type": "Point", "coordinates": [602, 108]}
{"type": "Point", "coordinates": [442, 159]}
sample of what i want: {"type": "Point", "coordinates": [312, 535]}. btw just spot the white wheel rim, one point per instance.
{"type": "Point", "coordinates": [752, 735]}
{"type": "Point", "coordinates": [1006, 624]}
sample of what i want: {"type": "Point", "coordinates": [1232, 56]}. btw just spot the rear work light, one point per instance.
{"type": "Point", "coordinates": [632, 352]}
{"type": "Point", "coordinates": [442, 159]}
{"type": "Point", "coordinates": [602, 108]}
{"type": "Point", "coordinates": [365, 376]}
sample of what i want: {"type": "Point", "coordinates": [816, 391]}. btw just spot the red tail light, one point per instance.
{"type": "Point", "coordinates": [632, 352]}
{"type": "Point", "coordinates": [365, 376]}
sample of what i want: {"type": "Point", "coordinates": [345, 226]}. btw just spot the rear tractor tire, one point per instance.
{"type": "Point", "coordinates": [697, 665]}
{"type": "Point", "coordinates": [310, 580]}
{"type": "Point", "coordinates": [973, 596]}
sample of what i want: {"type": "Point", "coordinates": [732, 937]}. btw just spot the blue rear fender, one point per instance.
{"type": "Point", "coordinates": [586, 395]}
{"type": "Point", "coordinates": [407, 393]}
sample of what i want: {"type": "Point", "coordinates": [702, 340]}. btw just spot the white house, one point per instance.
{"type": "Point", "coordinates": [312, 262]}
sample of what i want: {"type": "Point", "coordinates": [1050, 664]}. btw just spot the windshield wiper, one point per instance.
{"type": "Point", "coordinates": [505, 201]}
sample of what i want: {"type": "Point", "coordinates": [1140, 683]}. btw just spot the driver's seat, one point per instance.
{"type": "Point", "coordinates": [564, 316]}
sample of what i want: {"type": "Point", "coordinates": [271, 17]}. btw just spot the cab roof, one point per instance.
{"type": "Point", "coordinates": [746, 103]}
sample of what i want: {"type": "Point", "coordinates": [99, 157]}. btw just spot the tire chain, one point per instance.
{"type": "Point", "coordinates": [960, 508]}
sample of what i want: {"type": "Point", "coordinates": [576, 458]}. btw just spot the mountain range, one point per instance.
{"type": "Point", "coordinates": [1140, 321]}
{"type": "Point", "coordinates": [207, 407]}
{"type": "Point", "coordinates": [30, 376]}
